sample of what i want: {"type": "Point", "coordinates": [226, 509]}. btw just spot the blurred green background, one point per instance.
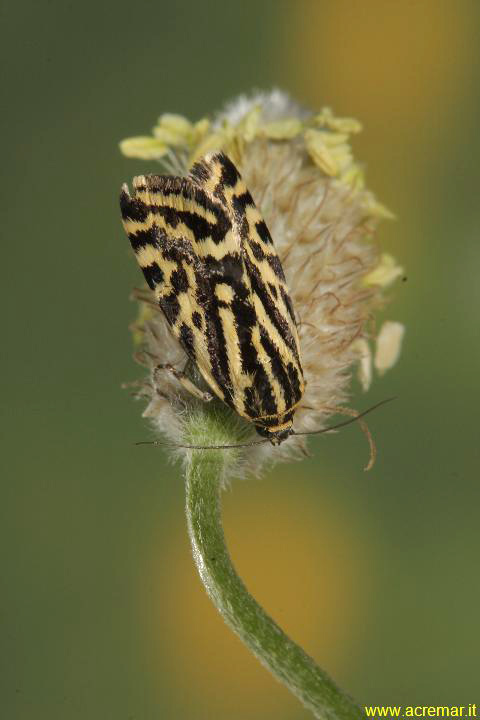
{"type": "Point", "coordinates": [102, 613]}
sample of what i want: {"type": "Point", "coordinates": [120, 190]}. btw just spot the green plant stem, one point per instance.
{"type": "Point", "coordinates": [284, 658]}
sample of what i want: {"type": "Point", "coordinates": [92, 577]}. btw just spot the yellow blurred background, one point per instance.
{"type": "Point", "coordinates": [102, 613]}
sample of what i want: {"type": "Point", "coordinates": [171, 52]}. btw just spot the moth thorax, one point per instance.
{"type": "Point", "coordinates": [276, 435]}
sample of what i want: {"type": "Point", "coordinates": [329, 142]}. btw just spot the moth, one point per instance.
{"type": "Point", "coordinates": [207, 255]}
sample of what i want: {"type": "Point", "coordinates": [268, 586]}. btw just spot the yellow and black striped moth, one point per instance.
{"type": "Point", "coordinates": [208, 256]}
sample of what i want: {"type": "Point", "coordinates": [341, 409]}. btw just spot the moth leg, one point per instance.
{"type": "Point", "coordinates": [185, 381]}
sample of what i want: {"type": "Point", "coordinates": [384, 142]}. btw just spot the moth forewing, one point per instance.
{"type": "Point", "coordinates": [207, 255]}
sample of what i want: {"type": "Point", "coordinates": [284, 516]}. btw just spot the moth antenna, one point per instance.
{"type": "Point", "coordinates": [357, 418]}
{"type": "Point", "coordinates": [223, 447]}
{"type": "Point", "coordinates": [204, 447]}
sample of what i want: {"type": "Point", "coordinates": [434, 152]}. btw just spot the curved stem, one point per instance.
{"type": "Point", "coordinates": [284, 658]}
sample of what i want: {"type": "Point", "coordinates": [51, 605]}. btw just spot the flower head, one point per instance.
{"type": "Point", "coordinates": [302, 175]}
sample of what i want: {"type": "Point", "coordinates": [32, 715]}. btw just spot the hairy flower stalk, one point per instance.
{"type": "Point", "coordinates": [300, 171]}
{"type": "Point", "coordinates": [275, 650]}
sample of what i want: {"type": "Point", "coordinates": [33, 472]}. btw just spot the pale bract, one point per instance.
{"type": "Point", "coordinates": [299, 168]}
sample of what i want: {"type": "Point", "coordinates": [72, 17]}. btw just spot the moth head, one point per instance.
{"type": "Point", "coordinates": [275, 435]}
